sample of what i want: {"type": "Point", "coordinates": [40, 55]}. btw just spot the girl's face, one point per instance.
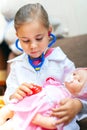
{"type": "Point", "coordinates": [34, 38]}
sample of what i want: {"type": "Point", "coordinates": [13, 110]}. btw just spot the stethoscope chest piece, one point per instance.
{"type": "Point", "coordinates": [37, 63]}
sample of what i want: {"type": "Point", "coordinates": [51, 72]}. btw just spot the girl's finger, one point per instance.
{"type": "Point", "coordinates": [64, 120]}
{"type": "Point", "coordinates": [25, 89]}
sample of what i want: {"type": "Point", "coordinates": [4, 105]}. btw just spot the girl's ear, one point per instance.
{"type": "Point", "coordinates": [50, 30]}
{"type": "Point", "coordinates": [16, 34]}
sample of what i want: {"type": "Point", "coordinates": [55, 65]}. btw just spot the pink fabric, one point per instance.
{"type": "Point", "coordinates": [47, 54]}
{"type": "Point", "coordinates": [42, 103]}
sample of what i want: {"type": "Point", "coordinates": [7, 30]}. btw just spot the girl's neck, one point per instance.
{"type": "Point", "coordinates": [49, 51]}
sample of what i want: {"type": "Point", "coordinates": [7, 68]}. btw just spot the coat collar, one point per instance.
{"type": "Point", "coordinates": [56, 55]}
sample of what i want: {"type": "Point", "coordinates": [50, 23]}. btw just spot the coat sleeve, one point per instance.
{"type": "Point", "coordinates": [11, 84]}
{"type": "Point", "coordinates": [83, 113]}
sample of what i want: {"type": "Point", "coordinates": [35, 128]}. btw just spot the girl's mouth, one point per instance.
{"type": "Point", "coordinates": [35, 54]}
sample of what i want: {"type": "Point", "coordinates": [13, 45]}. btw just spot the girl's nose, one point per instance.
{"type": "Point", "coordinates": [34, 45]}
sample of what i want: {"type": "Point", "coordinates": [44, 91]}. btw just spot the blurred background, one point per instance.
{"type": "Point", "coordinates": [72, 15]}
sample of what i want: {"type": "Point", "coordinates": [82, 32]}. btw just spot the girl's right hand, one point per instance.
{"type": "Point", "coordinates": [23, 90]}
{"type": "Point", "coordinates": [68, 109]}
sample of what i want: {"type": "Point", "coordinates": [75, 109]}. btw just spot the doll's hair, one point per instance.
{"type": "Point", "coordinates": [31, 12]}
{"type": "Point", "coordinates": [81, 68]}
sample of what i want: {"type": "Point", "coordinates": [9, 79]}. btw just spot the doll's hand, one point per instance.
{"type": "Point", "coordinates": [5, 113]}
{"type": "Point", "coordinates": [67, 110]}
{"type": "Point", "coordinates": [22, 91]}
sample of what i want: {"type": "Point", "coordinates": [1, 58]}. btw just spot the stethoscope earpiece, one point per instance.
{"type": "Point", "coordinates": [42, 58]}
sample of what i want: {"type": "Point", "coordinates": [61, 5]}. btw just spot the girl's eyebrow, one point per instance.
{"type": "Point", "coordinates": [23, 37]}
{"type": "Point", "coordinates": [26, 38]}
{"type": "Point", "coordinates": [39, 35]}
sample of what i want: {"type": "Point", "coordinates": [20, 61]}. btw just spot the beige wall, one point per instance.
{"type": "Point", "coordinates": [71, 13]}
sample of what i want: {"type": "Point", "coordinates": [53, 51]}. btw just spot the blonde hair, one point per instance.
{"type": "Point", "coordinates": [31, 12]}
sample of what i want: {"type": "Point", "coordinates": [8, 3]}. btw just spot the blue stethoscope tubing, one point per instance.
{"type": "Point", "coordinates": [37, 67]}
{"type": "Point", "coordinates": [53, 40]}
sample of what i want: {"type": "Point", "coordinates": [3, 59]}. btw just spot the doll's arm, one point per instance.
{"type": "Point", "coordinates": [44, 121]}
{"type": "Point", "coordinates": [5, 114]}
{"type": "Point", "coordinates": [7, 126]}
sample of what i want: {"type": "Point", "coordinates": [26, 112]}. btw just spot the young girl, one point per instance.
{"type": "Point", "coordinates": [38, 61]}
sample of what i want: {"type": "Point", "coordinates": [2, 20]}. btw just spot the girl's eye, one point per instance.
{"type": "Point", "coordinates": [25, 41]}
{"type": "Point", "coordinates": [39, 39]}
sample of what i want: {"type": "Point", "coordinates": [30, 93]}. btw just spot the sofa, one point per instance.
{"type": "Point", "coordinates": [75, 48]}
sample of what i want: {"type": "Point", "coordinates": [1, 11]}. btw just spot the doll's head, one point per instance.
{"type": "Point", "coordinates": [76, 83]}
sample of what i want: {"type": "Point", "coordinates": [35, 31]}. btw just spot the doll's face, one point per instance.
{"type": "Point", "coordinates": [78, 81]}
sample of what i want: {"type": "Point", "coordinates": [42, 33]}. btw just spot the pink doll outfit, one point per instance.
{"type": "Point", "coordinates": [41, 102]}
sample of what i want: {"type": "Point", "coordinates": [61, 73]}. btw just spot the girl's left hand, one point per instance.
{"type": "Point", "coordinates": [67, 110]}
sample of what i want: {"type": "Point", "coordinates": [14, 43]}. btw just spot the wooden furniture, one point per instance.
{"type": "Point", "coordinates": [4, 51]}
{"type": "Point", "coordinates": [1, 102]}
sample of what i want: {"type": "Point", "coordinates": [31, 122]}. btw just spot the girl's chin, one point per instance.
{"type": "Point", "coordinates": [35, 56]}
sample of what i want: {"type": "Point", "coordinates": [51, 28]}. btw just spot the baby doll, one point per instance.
{"type": "Point", "coordinates": [52, 92]}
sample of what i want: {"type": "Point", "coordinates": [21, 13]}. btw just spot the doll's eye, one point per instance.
{"type": "Point", "coordinates": [74, 74]}
{"type": "Point", "coordinates": [79, 80]}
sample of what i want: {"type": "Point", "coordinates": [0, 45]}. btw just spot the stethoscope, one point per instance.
{"type": "Point", "coordinates": [42, 58]}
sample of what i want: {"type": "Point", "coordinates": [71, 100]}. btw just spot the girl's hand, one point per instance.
{"type": "Point", "coordinates": [22, 91]}
{"type": "Point", "coordinates": [67, 110]}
